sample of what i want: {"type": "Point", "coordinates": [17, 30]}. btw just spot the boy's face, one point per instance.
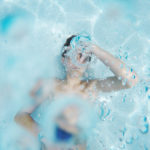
{"type": "Point", "coordinates": [81, 63]}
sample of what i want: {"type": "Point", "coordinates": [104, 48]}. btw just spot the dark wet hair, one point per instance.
{"type": "Point", "coordinates": [67, 43]}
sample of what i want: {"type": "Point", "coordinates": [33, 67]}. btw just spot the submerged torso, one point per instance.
{"type": "Point", "coordinates": [56, 89]}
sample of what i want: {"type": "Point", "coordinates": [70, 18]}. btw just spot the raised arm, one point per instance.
{"type": "Point", "coordinates": [125, 77]}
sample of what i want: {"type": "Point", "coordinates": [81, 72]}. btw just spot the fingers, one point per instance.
{"type": "Point", "coordinates": [84, 58]}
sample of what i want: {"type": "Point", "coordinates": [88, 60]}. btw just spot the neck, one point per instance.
{"type": "Point", "coordinates": [73, 80]}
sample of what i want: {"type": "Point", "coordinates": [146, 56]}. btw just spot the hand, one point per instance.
{"type": "Point", "coordinates": [84, 51]}
{"type": "Point", "coordinates": [90, 49]}
{"type": "Point", "coordinates": [94, 48]}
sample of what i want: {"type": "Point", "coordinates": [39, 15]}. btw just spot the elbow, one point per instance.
{"type": "Point", "coordinates": [133, 81]}
{"type": "Point", "coordinates": [17, 118]}
{"type": "Point", "coordinates": [20, 117]}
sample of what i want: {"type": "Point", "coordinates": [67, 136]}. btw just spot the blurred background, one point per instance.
{"type": "Point", "coordinates": [32, 33]}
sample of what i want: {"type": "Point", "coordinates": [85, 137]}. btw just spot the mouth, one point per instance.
{"type": "Point", "coordinates": [75, 68]}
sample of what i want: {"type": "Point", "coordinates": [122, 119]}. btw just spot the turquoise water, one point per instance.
{"type": "Point", "coordinates": [31, 36]}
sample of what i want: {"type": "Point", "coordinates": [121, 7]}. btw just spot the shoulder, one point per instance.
{"type": "Point", "coordinates": [57, 82]}
{"type": "Point", "coordinates": [89, 84]}
{"type": "Point", "coordinates": [50, 83]}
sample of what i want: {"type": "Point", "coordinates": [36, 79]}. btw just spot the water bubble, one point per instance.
{"type": "Point", "coordinates": [146, 88]}
{"type": "Point", "coordinates": [123, 131]}
{"type": "Point", "coordinates": [121, 66]}
{"type": "Point", "coordinates": [122, 146]}
{"type": "Point", "coordinates": [145, 119]}
{"type": "Point", "coordinates": [104, 111]}
{"type": "Point", "coordinates": [124, 98]}
{"type": "Point", "coordinates": [124, 82]}
{"type": "Point", "coordinates": [129, 140]}
{"type": "Point", "coordinates": [39, 115]}
{"type": "Point", "coordinates": [145, 148]}
{"type": "Point", "coordinates": [133, 76]}
{"type": "Point", "coordinates": [145, 128]}
{"type": "Point", "coordinates": [119, 78]}
{"type": "Point", "coordinates": [126, 55]}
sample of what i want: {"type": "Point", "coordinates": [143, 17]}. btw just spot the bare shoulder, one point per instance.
{"type": "Point", "coordinates": [49, 84]}
{"type": "Point", "coordinates": [57, 82]}
{"type": "Point", "coordinates": [88, 84]}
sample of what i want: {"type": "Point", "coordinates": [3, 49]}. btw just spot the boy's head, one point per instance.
{"type": "Point", "coordinates": [67, 44]}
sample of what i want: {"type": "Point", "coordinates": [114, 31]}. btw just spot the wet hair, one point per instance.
{"type": "Point", "coordinates": [67, 43]}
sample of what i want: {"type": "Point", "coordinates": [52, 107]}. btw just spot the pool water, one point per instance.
{"type": "Point", "coordinates": [31, 37]}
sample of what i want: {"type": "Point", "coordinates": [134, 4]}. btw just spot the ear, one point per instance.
{"type": "Point", "coordinates": [62, 60]}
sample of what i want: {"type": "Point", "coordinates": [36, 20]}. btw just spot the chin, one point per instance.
{"type": "Point", "coordinates": [79, 72]}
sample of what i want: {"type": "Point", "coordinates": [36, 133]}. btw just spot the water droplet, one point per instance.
{"type": "Point", "coordinates": [39, 115]}
{"type": "Point", "coordinates": [119, 78]}
{"type": "Point", "coordinates": [129, 140]}
{"type": "Point", "coordinates": [133, 76]}
{"type": "Point", "coordinates": [121, 66]}
{"type": "Point", "coordinates": [124, 98]}
{"type": "Point", "coordinates": [122, 146]}
{"type": "Point", "coordinates": [144, 129]}
{"type": "Point", "coordinates": [123, 131]}
{"type": "Point", "coordinates": [145, 147]}
{"type": "Point", "coordinates": [145, 118]}
{"type": "Point", "coordinates": [146, 89]}
{"type": "Point", "coordinates": [124, 82]}
{"type": "Point", "coordinates": [104, 111]}
{"type": "Point", "coordinates": [126, 55]}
